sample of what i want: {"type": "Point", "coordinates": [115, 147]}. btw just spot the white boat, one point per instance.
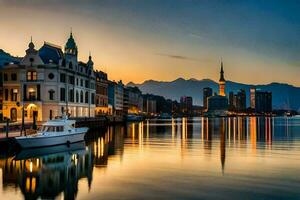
{"type": "Point", "coordinates": [54, 132]}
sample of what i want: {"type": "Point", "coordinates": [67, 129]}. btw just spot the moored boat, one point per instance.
{"type": "Point", "coordinates": [54, 132]}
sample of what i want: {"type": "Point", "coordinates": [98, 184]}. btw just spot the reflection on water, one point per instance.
{"type": "Point", "coordinates": [165, 159]}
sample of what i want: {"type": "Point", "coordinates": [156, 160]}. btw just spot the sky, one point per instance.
{"type": "Point", "coordinates": [138, 40]}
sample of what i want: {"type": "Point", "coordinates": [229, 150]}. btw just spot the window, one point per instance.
{"type": "Point", "coordinates": [71, 80]}
{"type": "Point", "coordinates": [14, 94]}
{"type": "Point", "coordinates": [31, 76]}
{"type": "Point", "coordinates": [77, 83]}
{"type": "Point", "coordinates": [32, 94]}
{"type": "Point", "coordinates": [62, 94]}
{"type": "Point", "coordinates": [70, 65]}
{"type": "Point", "coordinates": [63, 78]}
{"type": "Point", "coordinates": [51, 94]}
{"type": "Point", "coordinates": [81, 82]}
{"type": "Point", "coordinates": [93, 98]}
{"type": "Point", "coordinates": [86, 97]}
{"type": "Point", "coordinates": [5, 77]}
{"type": "Point", "coordinates": [81, 96]}
{"type": "Point", "coordinates": [50, 76]}
{"type": "Point", "coordinates": [63, 63]}
{"type": "Point", "coordinates": [50, 114]}
{"type": "Point", "coordinates": [13, 76]}
{"type": "Point", "coordinates": [6, 94]}
{"type": "Point", "coordinates": [77, 96]}
{"type": "Point", "coordinates": [71, 95]}
{"type": "Point", "coordinates": [53, 129]}
{"type": "Point", "coordinates": [86, 83]}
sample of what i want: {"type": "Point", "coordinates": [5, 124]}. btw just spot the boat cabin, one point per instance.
{"type": "Point", "coordinates": [58, 125]}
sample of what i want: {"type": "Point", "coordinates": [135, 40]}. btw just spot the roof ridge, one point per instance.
{"type": "Point", "coordinates": [52, 45]}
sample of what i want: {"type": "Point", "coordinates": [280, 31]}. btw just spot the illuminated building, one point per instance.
{"type": "Point", "coordinates": [48, 82]}
{"type": "Point", "coordinates": [218, 104]}
{"type": "Point", "coordinates": [5, 59]}
{"type": "Point", "coordinates": [222, 82]}
{"type": "Point", "coordinates": [101, 93]}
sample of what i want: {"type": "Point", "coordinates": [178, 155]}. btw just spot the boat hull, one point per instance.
{"type": "Point", "coordinates": [35, 142]}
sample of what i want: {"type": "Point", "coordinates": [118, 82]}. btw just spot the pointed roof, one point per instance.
{"type": "Point", "coordinates": [32, 57]}
{"type": "Point", "coordinates": [71, 44]}
{"type": "Point", "coordinates": [222, 79]}
{"type": "Point", "coordinates": [90, 62]}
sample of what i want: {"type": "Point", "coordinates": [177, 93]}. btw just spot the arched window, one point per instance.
{"type": "Point", "coordinates": [81, 96]}
{"type": "Point", "coordinates": [93, 98]}
{"type": "Point", "coordinates": [13, 114]}
{"type": "Point", "coordinates": [86, 97]}
{"type": "Point", "coordinates": [70, 65]}
{"type": "Point", "coordinates": [77, 96]}
{"type": "Point", "coordinates": [63, 63]}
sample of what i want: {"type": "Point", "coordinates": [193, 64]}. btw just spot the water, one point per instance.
{"type": "Point", "coordinates": [222, 158]}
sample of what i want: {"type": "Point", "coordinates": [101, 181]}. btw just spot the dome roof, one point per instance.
{"type": "Point", "coordinates": [90, 62]}
{"type": "Point", "coordinates": [71, 44]}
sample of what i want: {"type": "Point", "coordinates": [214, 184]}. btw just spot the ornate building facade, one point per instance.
{"type": "Point", "coordinates": [48, 82]}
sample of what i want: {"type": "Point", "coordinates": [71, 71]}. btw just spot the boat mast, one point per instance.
{"type": "Point", "coordinates": [67, 96]}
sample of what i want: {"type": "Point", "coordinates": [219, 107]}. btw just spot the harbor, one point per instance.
{"type": "Point", "coordinates": [162, 150]}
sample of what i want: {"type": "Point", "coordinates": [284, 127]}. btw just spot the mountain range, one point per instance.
{"type": "Point", "coordinates": [284, 96]}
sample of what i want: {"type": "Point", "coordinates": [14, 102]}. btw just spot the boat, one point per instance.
{"type": "Point", "coordinates": [54, 132]}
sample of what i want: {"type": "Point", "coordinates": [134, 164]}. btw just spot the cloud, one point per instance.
{"type": "Point", "coordinates": [178, 57]}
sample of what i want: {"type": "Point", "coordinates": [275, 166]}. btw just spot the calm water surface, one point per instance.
{"type": "Point", "coordinates": [222, 158]}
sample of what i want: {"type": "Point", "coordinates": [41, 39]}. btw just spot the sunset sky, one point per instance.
{"type": "Point", "coordinates": [136, 40]}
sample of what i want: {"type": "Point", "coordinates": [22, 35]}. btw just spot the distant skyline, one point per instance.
{"type": "Point", "coordinates": [138, 40]}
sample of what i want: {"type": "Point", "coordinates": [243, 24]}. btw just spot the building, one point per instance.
{"type": "Point", "coordinates": [101, 93]}
{"type": "Point", "coordinates": [150, 106]}
{"type": "Point", "coordinates": [5, 59]}
{"type": "Point", "coordinates": [237, 102]}
{"type": "Point", "coordinates": [186, 105]}
{"type": "Point", "coordinates": [240, 101]}
{"type": "Point", "coordinates": [49, 82]}
{"type": "Point", "coordinates": [231, 103]}
{"type": "Point", "coordinates": [116, 97]}
{"type": "Point", "coordinates": [175, 108]}
{"type": "Point", "coordinates": [260, 101]}
{"type": "Point", "coordinates": [133, 100]}
{"type": "Point", "coordinates": [218, 104]}
{"type": "Point", "coordinates": [207, 92]}
{"type": "Point", "coordinates": [1, 94]}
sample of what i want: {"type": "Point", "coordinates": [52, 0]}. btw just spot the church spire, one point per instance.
{"type": "Point", "coordinates": [222, 81]}
{"type": "Point", "coordinates": [222, 73]}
